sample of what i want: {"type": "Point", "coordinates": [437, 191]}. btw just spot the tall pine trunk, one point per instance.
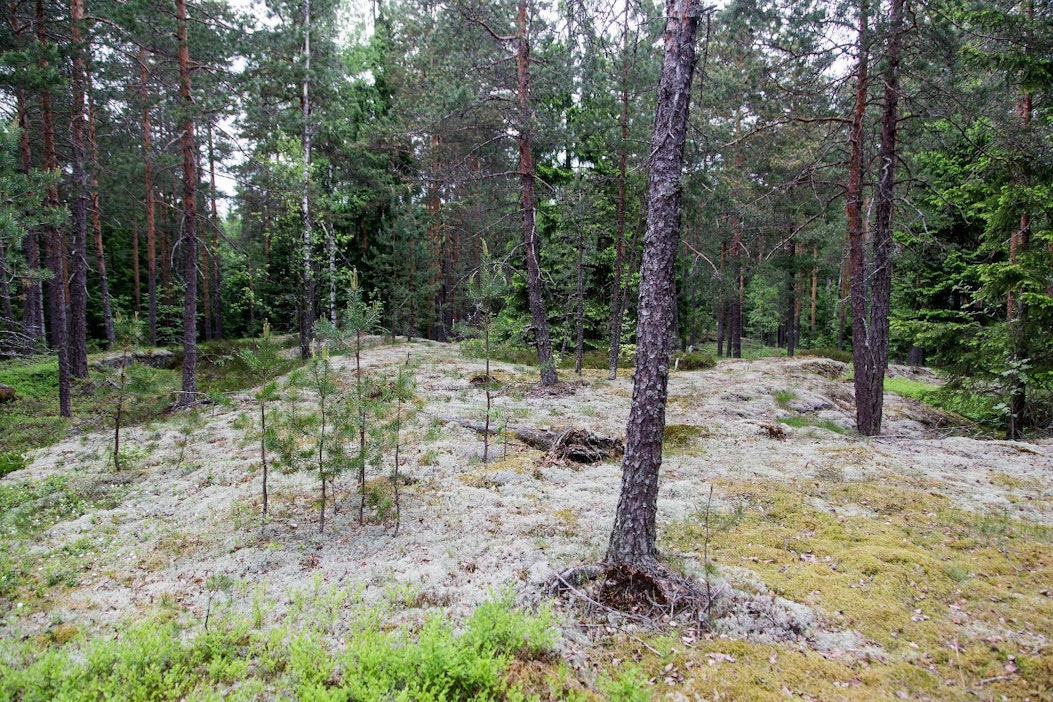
{"type": "Point", "coordinates": [78, 299]}
{"type": "Point", "coordinates": [96, 224]}
{"type": "Point", "coordinates": [856, 242]}
{"type": "Point", "coordinates": [527, 200]}
{"type": "Point", "coordinates": [151, 219]}
{"type": "Point", "coordinates": [632, 538]}
{"type": "Point", "coordinates": [52, 235]}
{"type": "Point", "coordinates": [217, 302]}
{"type": "Point", "coordinates": [189, 153]}
{"type": "Point", "coordinates": [33, 308]}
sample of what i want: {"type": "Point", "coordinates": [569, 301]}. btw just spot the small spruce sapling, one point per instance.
{"type": "Point", "coordinates": [484, 288]}
{"type": "Point", "coordinates": [263, 363]}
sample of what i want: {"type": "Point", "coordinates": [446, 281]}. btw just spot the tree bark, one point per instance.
{"type": "Point", "coordinates": [151, 221]}
{"type": "Point", "coordinates": [33, 309]}
{"type": "Point", "coordinates": [307, 234]}
{"type": "Point", "coordinates": [632, 538]}
{"type": "Point", "coordinates": [856, 243]}
{"type": "Point", "coordinates": [527, 200]}
{"type": "Point", "coordinates": [96, 223]}
{"type": "Point", "coordinates": [78, 301]}
{"type": "Point", "coordinates": [189, 152]}
{"type": "Point", "coordinates": [217, 300]}
{"type": "Point", "coordinates": [52, 236]}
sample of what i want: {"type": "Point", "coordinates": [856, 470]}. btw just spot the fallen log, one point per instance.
{"type": "Point", "coordinates": [569, 444]}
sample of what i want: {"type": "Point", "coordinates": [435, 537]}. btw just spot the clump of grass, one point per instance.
{"type": "Point", "coordinates": [784, 397]}
{"type": "Point", "coordinates": [679, 436]}
{"type": "Point", "coordinates": [834, 354]}
{"type": "Point", "coordinates": [799, 421]}
{"type": "Point", "coordinates": [913, 389]}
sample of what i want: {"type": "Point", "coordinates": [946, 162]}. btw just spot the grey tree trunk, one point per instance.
{"type": "Point", "coordinates": [633, 535]}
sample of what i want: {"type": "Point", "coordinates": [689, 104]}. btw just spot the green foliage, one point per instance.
{"type": "Point", "coordinates": [799, 421]}
{"type": "Point", "coordinates": [157, 660]}
{"type": "Point", "coordinates": [628, 685]}
{"type": "Point", "coordinates": [10, 461]}
{"type": "Point", "coordinates": [694, 360]}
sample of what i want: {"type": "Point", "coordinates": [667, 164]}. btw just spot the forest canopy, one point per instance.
{"type": "Point", "coordinates": [217, 167]}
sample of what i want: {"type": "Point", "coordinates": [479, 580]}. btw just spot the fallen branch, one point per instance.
{"type": "Point", "coordinates": [571, 444]}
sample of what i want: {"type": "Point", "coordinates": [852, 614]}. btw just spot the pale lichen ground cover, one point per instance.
{"type": "Point", "coordinates": [915, 565]}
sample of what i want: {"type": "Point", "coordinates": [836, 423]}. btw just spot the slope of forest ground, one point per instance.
{"type": "Point", "coordinates": [912, 566]}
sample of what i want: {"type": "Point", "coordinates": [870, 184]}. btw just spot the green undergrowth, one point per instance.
{"type": "Point", "coordinates": [950, 605]}
{"type": "Point", "coordinates": [329, 647]}
{"type": "Point", "coordinates": [28, 508]}
{"type": "Point", "coordinates": [799, 421]}
{"type": "Point", "coordinates": [33, 421]}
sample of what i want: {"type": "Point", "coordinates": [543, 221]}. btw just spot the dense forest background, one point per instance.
{"type": "Point", "coordinates": [395, 147]}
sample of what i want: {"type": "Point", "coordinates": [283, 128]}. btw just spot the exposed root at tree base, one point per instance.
{"type": "Point", "coordinates": [648, 595]}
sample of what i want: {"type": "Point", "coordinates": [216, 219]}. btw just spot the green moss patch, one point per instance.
{"type": "Point", "coordinates": [958, 604]}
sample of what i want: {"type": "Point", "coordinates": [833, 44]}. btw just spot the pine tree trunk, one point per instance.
{"type": "Point", "coordinates": [189, 152]}
{"type": "Point", "coordinates": [734, 332]}
{"type": "Point", "coordinates": [217, 280]}
{"type": "Point", "coordinates": [78, 301]}
{"type": "Point", "coordinates": [861, 356]}
{"type": "Point", "coordinates": [579, 312]}
{"type": "Point", "coordinates": [33, 308]}
{"type": "Point", "coordinates": [884, 197]}
{"type": "Point", "coordinates": [617, 300]}
{"type": "Point", "coordinates": [307, 234]}
{"type": "Point", "coordinates": [632, 538]}
{"type": "Point", "coordinates": [151, 221]}
{"type": "Point", "coordinates": [52, 236]}
{"type": "Point", "coordinates": [5, 292]}
{"type": "Point", "coordinates": [527, 201]}
{"type": "Point", "coordinates": [136, 274]}
{"type": "Point", "coordinates": [96, 223]}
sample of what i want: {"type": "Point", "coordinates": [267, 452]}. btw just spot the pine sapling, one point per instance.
{"type": "Point", "coordinates": [484, 288]}
{"type": "Point", "coordinates": [263, 363]}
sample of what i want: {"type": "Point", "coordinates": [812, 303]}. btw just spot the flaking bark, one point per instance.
{"type": "Point", "coordinates": [632, 538]}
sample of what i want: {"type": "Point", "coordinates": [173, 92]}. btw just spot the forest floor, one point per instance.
{"type": "Point", "coordinates": [915, 565]}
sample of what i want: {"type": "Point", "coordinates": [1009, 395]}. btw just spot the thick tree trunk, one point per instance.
{"type": "Point", "coordinates": [189, 151]}
{"type": "Point", "coordinates": [861, 356]}
{"type": "Point", "coordinates": [78, 301]}
{"type": "Point", "coordinates": [151, 221]}
{"type": "Point", "coordinates": [307, 232]}
{"type": "Point", "coordinates": [33, 308]}
{"type": "Point", "coordinates": [632, 538]}
{"type": "Point", "coordinates": [96, 223]}
{"type": "Point", "coordinates": [52, 236]}
{"type": "Point", "coordinates": [617, 299]}
{"type": "Point", "coordinates": [527, 201]}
